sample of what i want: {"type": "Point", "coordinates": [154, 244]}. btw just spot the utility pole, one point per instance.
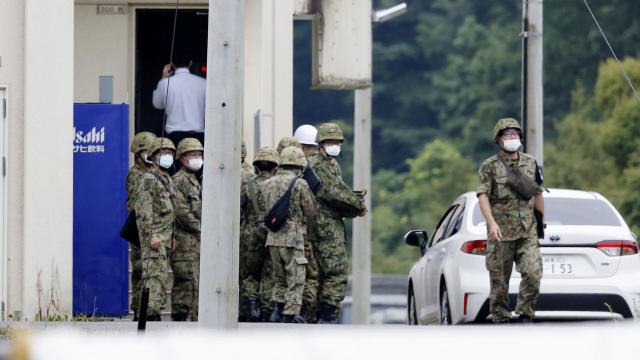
{"type": "Point", "coordinates": [533, 115]}
{"type": "Point", "coordinates": [220, 226]}
{"type": "Point", "coordinates": [361, 248]}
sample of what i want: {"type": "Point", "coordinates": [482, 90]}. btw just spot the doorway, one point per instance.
{"type": "Point", "coordinates": [154, 29]}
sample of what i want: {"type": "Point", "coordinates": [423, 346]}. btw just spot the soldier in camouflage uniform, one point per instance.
{"type": "Point", "coordinates": [511, 229]}
{"type": "Point", "coordinates": [336, 201]}
{"type": "Point", "coordinates": [255, 266]}
{"type": "Point", "coordinates": [155, 216]}
{"type": "Point", "coordinates": [245, 171]}
{"type": "Point", "coordinates": [185, 259]}
{"type": "Point", "coordinates": [286, 142]}
{"type": "Point", "coordinates": [286, 246]}
{"type": "Point", "coordinates": [139, 147]}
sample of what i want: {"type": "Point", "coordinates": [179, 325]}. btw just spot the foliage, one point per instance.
{"type": "Point", "coordinates": [448, 69]}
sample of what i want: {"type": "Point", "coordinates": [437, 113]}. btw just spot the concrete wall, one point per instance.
{"type": "Point", "coordinates": [12, 76]}
{"type": "Point", "coordinates": [48, 159]}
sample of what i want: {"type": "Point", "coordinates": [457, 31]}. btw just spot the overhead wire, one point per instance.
{"type": "Point", "coordinates": [624, 72]}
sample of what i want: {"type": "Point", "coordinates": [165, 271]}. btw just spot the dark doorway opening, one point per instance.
{"type": "Point", "coordinates": [154, 28]}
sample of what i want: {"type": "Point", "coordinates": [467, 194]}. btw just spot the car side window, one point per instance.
{"type": "Point", "coordinates": [455, 224]}
{"type": "Point", "coordinates": [442, 225]}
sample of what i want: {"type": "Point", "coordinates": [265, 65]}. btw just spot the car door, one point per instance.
{"type": "Point", "coordinates": [440, 250]}
{"type": "Point", "coordinates": [431, 291]}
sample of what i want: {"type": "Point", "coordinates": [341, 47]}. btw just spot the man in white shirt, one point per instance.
{"type": "Point", "coordinates": [184, 101]}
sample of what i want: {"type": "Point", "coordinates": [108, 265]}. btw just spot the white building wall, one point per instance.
{"type": "Point", "coordinates": [268, 80]}
{"type": "Point", "coordinates": [12, 76]}
{"type": "Point", "coordinates": [48, 157]}
{"type": "Point", "coordinates": [101, 49]}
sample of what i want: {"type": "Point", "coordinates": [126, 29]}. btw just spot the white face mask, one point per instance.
{"type": "Point", "coordinates": [166, 161]}
{"type": "Point", "coordinates": [195, 164]}
{"type": "Point", "coordinates": [511, 145]}
{"type": "Point", "coordinates": [332, 150]}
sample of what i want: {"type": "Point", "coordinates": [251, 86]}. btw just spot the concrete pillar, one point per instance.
{"type": "Point", "coordinates": [48, 158]}
{"type": "Point", "coordinates": [218, 305]}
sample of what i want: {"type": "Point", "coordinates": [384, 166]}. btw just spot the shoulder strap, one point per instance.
{"type": "Point", "coordinates": [253, 194]}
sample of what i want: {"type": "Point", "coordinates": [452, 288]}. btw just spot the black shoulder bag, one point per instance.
{"type": "Point", "coordinates": [129, 230]}
{"type": "Point", "coordinates": [276, 217]}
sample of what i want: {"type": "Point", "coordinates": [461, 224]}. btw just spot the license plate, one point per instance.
{"type": "Point", "coordinates": [557, 265]}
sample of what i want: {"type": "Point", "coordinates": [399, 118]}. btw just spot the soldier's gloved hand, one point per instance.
{"type": "Point", "coordinates": [494, 231]}
{"type": "Point", "coordinates": [155, 243]}
{"type": "Point", "coordinates": [364, 212]}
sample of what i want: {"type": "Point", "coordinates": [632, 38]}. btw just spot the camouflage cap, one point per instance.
{"type": "Point", "coordinates": [161, 143]}
{"type": "Point", "coordinates": [506, 123]}
{"type": "Point", "coordinates": [142, 141]}
{"type": "Point", "coordinates": [286, 142]}
{"type": "Point", "coordinates": [243, 151]}
{"type": "Point", "coordinates": [329, 131]}
{"type": "Point", "coordinates": [188, 144]}
{"type": "Point", "coordinates": [293, 156]}
{"type": "Point", "coordinates": [266, 154]}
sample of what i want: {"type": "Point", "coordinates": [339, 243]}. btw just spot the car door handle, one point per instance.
{"type": "Point", "coordinates": [429, 257]}
{"type": "Point", "coordinates": [442, 251]}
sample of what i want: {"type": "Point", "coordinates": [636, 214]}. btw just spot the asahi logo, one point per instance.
{"type": "Point", "coordinates": [91, 141]}
{"type": "Point", "coordinates": [94, 136]}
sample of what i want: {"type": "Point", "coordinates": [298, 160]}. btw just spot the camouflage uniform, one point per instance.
{"type": "Point", "coordinates": [141, 141]}
{"type": "Point", "coordinates": [155, 217]}
{"type": "Point", "coordinates": [286, 246]}
{"type": "Point", "coordinates": [185, 260]}
{"type": "Point", "coordinates": [246, 172]}
{"type": "Point", "coordinates": [519, 242]}
{"type": "Point", "coordinates": [335, 200]}
{"type": "Point", "coordinates": [255, 266]}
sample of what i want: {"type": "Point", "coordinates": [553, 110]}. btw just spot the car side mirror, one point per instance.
{"type": "Point", "coordinates": [416, 238]}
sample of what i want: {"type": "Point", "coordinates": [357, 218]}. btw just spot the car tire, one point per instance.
{"type": "Point", "coordinates": [412, 317]}
{"type": "Point", "coordinates": [445, 308]}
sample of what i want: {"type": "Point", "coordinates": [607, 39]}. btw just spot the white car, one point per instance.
{"type": "Point", "coordinates": [591, 266]}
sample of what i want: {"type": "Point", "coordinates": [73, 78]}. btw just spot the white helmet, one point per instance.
{"type": "Point", "coordinates": [306, 134]}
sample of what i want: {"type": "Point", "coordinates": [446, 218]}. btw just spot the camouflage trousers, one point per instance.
{"type": "Point", "coordinates": [499, 261]}
{"type": "Point", "coordinates": [136, 276]}
{"type": "Point", "coordinates": [267, 282]}
{"type": "Point", "coordinates": [251, 266]}
{"type": "Point", "coordinates": [311, 283]}
{"type": "Point", "coordinates": [184, 293]}
{"type": "Point", "coordinates": [331, 255]}
{"type": "Point", "coordinates": [155, 270]}
{"type": "Point", "coordinates": [289, 270]}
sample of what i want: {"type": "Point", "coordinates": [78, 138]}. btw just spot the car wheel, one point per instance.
{"type": "Point", "coordinates": [445, 309]}
{"type": "Point", "coordinates": [412, 317]}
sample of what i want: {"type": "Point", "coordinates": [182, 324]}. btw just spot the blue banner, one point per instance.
{"type": "Point", "coordinates": [100, 165]}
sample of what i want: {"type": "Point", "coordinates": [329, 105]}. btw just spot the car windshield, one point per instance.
{"type": "Point", "coordinates": [570, 211]}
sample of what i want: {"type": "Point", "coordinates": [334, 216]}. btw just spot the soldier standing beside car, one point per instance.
{"type": "Point", "coordinates": [509, 191]}
{"type": "Point", "coordinates": [185, 259]}
{"type": "Point", "coordinates": [140, 145]}
{"type": "Point", "coordinates": [336, 200]}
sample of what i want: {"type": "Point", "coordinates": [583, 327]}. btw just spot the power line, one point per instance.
{"type": "Point", "coordinates": [612, 51]}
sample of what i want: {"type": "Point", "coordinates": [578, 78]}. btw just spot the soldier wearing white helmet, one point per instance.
{"type": "Point", "coordinates": [306, 135]}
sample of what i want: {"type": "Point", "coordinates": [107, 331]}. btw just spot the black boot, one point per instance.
{"type": "Point", "coordinates": [293, 319]}
{"type": "Point", "coordinates": [326, 314]}
{"type": "Point", "coordinates": [265, 314]}
{"type": "Point", "coordinates": [252, 311]}
{"type": "Point", "coordinates": [153, 318]}
{"type": "Point", "coordinates": [276, 313]}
